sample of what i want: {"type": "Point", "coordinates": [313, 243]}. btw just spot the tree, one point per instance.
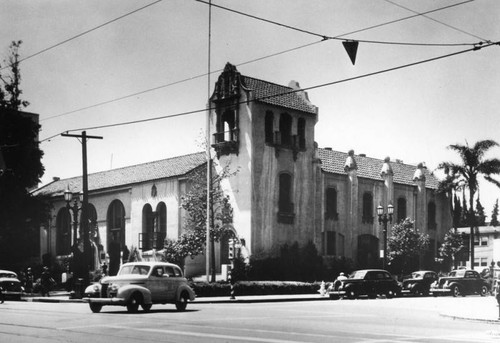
{"type": "Point", "coordinates": [494, 215]}
{"type": "Point", "coordinates": [20, 169]}
{"type": "Point", "coordinates": [474, 164]}
{"type": "Point", "coordinates": [453, 245]}
{"type": "Point", "coordinates": [192, 242]}
{"type": "Point", "coordinates": [449, 186]}
{"type": "Point", "coordinates": [480, 216]}
{"type": "Point", "coordinates": [405, 245]}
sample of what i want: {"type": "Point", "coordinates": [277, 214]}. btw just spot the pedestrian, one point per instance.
{"type": "Point", "coordinates": [338, 281]}
{"type": "Point", "coordinates": [46, 281]}
{"type": "Point", "coordinates": [28, 283]}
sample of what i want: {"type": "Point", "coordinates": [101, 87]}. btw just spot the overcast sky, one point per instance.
{"type": "Point", "coordinates": [411, 114]}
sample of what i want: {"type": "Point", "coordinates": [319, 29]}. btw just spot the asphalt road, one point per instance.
{"type": "Point", "coordinates": [378, 320]}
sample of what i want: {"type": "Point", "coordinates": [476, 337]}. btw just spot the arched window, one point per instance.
{"type": "Point", "coordinates": [331, 204]}
{"type": "Point", "coordinates": [115, 221]}
{"type": "Point", "coordinates": [431, 216]}
{"type": "Point", "coordinates": [63, 232]}
{"type": "Point", "coordinates": [301, 133]}
{"type": "Point", "coordinates": [161, 227]}
{"type": "Point", "coordinates": [286, 129]}
{"type": "Point", "coordinates": [367, 217]}
{"type": "Point", "coordinates": [269, 127]}
{"type": "Point", "coordinates": [401, 214]}
{"type": "Point", "coordinates": [228, 125]}
{"type": "Point", "coordinates": [285, 204]}
{"type": "Point", "coordinates": [147, 227]}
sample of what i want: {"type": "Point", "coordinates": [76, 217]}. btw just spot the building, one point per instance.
{"type": "Point", "coordinates": [286, 189]}
{"type": "Point", "coordinates": [486, 247]}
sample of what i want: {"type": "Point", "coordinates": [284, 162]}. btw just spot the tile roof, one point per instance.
{"type": "Point", "coordinates": [334, 161]}
{"type": "Point", "coordinates": [162, 169]}
{"type": "Point", "coordinates": [263, 91]}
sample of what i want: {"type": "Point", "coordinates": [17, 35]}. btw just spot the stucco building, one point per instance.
{"type": "Point", "coordinates": [286, 188]}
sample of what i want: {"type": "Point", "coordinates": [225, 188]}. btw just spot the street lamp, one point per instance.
{"type": "Point", "coordinates": [384, 218]}
{"type": "Point", "coordinates": [74, 208]}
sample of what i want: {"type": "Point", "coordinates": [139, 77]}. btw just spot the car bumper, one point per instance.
{"type": "Point", "coordinates": [106, 301]}
{"type": "Point", "coordinates": [440, 290]}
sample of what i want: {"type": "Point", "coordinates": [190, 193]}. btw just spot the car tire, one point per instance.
{"type": "Point", "coordinates": [95, 308]}
{"type": "Point", "coordinates": [134, 302]}
{"type": "Point", "coordinates": [351, 294]}
{"type": "Point", "coordinates": [146, 307]}
{"type": "Point", "coordinates": [455, 291]}
{"type": "Point", "coordinates": [483, 291]}
{"type": "Point", "coordinates": [389, 294]}
{"type": "Point", "coordinates": [181, 304]}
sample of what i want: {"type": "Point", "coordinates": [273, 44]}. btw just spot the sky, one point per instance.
{"type": "Point", "coordinates": [89, 64]}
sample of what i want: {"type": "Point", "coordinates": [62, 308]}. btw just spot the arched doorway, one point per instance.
{"type": "Point", "coordinates": [115, 223]}
{"type": "Point", "coordinates": [368, 251]}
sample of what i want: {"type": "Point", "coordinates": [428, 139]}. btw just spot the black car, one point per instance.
{"type": "Point", "coordinates": [419, 282]}
{"type": "Point", "coordinates": [10, 285]}
{"type": "Point", "coordinates": [461, 282]}
{"type": "Point", "coordinates": [366, 282]}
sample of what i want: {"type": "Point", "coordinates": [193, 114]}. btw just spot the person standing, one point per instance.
{"type": "Point", "coordinates": [45, 281]}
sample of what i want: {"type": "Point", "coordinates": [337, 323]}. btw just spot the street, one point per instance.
{"type": "Point", "coordinates": [378, 320]}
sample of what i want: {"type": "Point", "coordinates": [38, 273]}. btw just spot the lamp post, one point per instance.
{"type": "Point", "coordinates": [383, 219]}
{"type": "Point", "coordinates": [74, 209]}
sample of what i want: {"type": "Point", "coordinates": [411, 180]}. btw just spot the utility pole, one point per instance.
{"type": "Point", "coordinates": [84, 216]}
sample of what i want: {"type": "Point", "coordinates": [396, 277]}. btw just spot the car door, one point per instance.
{"type": "Point", "coordinates": [156, 284]}
{"type": "Point", "coordinates": [470, 281]}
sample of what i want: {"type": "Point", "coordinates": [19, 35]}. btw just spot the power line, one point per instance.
{"type": "Point", "coordinates": [325, 37]}
{"type": "Point", "coordinates": [285, 93]}
{"type": "Point", "coordinates": [176, 82]}
{"type": "Point", "coordinates": [271, 55]}
{"type": "Point", "coordinates": [84, 33]}
{"type": "Point", "coordinates": [438, 21]}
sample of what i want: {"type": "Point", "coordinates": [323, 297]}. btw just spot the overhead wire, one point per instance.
{"type": "Point", "coordinates": [438, 21]}
{"type": "Point", "coordinates": [83, 33]}
{"type": "Point", "coordinates": [283, 93]}
{"type": "Point", "coordinates": [338, 37]}
{"type": "Point", "coordinates": [323, 37]}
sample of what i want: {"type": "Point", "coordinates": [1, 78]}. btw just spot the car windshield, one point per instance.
{"type": "Point", "coordinates": [134, 270]}
{"type": "Point", "coordinates": [417, 275]}
{"type": "Point", "coordinates": [359, 274]}
{"type": "Point", "coordinates": [8, 275]}
{"type": "Point", "coordinates": [457, 273]}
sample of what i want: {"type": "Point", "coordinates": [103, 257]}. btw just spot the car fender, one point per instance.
{"type": "Point", "coordinates": [126, 291]}
{"type": "Point", "coordinates": [183, 288]}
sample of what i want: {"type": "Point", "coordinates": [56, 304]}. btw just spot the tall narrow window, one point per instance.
{"type": "Point", "coordinates": [285, 204]}
{"type": "Point", "coordinates": [367, 217]}
{"type": "Point", "coordinates": [269, 127]}
{"type": "Point", "coordinates": [331, 204]}
{"type": "Point", "coordinates": [227, 126]}
{"type": "Point", "coordinates": [301, 133]}
{"type": "Point", "coordinates": [286, 129]}
{"type": "Point", "coordinates": [161, 227]}
{"type": "Point", "coordinates": [116, 223]}
{"type": "Point", "coordinates": [341, 244]}
{"type": "Point", "coordinates": [401, 209]}
{"type": "Point", "coordinates": [431, 216]}
{"type": "Point", "coordinates": [147, 227]}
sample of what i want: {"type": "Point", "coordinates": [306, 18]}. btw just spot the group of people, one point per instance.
{"type": "Point", "coordinates": [43, 285]}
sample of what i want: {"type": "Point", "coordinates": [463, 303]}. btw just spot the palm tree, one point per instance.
{"type": "Point", "coordinates": [473, 165]}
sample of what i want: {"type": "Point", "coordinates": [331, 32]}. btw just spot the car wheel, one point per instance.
{"type": "Point", "coordinates": [181, 304]}
{"type": "Point", "coordinates": [484, 291]}
{"type": "Point", "coordinates": [351, 294]}
{"type": "Point", "coordinates": [134, 302]}
{"type": "Point", "coordinates": [389, 294]}
{"type": "Point", "coordinates": [146, 307]}
{"type": "Point", "coordinates": [96, 308]}
{"type": "Point", "coordinates": [455, 291]}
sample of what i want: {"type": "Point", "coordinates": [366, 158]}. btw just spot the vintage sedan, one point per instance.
{"type": "Point", "coordinates": [10, 285]}
{"type": "Point", "coordinates": [141, 284]}
{"type": "Point", "coordinates": [419, 283]}
{"type": "Point", "coordinates": [461, 282]}
{"type": "Point", "coordinates": [369, 282]}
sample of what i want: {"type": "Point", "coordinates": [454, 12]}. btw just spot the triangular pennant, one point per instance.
{"type": "Point", "coordinates": [351, 47]}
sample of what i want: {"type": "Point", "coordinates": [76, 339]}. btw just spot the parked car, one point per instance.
{"type": "Point", "coordinates": [141, 283]}
{"type": "Point", "coordinates": [369, 282]}
{"type": "Point", "coordinates": [419, 282]}
{"type": "Point", "coordinates": [10, 285]}
{"type": "Point", "coordinates": [461, 282]}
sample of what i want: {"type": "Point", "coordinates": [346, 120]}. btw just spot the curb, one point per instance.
{"type": "Point", "coordinates": [470, 319]}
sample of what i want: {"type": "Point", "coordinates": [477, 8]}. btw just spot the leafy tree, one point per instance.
{"type": "Point", "coordinates": [473, 165]}
{"type": "Point", "coordinates": [20, 169]}
{"type": "Point", "coordinates": [494, 215]}
{"type": "Point", "coordinates": [192, 242]}
{"type": "Point", "coordinates": [449, 186]}
{"type": "Point", "coordinates": [453, 244]}
{"type": "Point", "coordinates": [405, 245]}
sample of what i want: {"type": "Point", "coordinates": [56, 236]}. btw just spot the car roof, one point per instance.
{"type": "Point", "coordinates": [150, 263]}
{"type": "Point", "coordinates": [8, 271]}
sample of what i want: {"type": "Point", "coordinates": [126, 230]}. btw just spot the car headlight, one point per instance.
{"type": "Point", "coordinates": [114, 287]}
{"type": "Point", "coordinates": [96, 288]}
